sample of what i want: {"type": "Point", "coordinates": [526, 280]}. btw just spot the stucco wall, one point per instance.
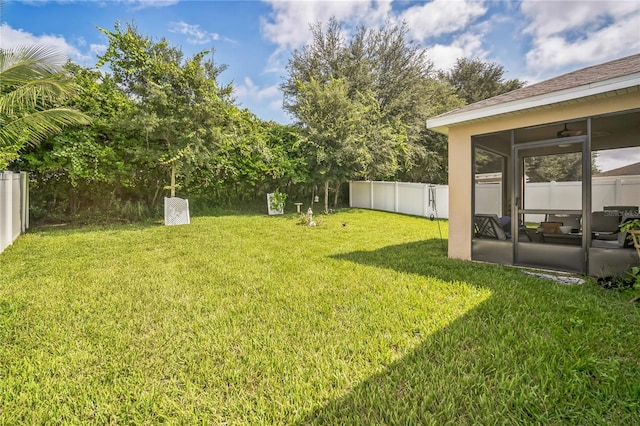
{"type": "Point", "coordinates": [460, 170]}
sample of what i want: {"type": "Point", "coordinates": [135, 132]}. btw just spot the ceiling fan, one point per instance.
{"type": "Point", "coordinates": [566, 132]}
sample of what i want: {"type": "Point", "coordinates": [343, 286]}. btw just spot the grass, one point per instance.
{"type": "Point", "coordinates": [257, 320]}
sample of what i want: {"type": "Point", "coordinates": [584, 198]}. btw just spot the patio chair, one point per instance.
{"type": "Point", "coordinates": [487, 226]}
{"type": "Point", "coordinates": [604, 225]}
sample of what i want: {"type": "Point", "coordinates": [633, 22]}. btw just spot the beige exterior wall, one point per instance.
{"type": "Point", "coordinates": [460, 170]}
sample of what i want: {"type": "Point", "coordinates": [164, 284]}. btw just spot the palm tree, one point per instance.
{"type": "Point", "coordinates": [33, 88]}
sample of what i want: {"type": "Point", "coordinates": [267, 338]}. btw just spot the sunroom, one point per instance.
{"type": "Point", "coordinates": [543, 176]}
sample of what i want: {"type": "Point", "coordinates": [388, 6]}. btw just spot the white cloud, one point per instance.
{"type": "Point", "coordinates": [11, 38]}
{"type": "Point", "coordinates": [266, 99]}
{"type": "Point", "coordinates": [196, 35]}
{"type": "Point", "coordinates": [134, 4]}
{"type": "Point", "coordinates": [614, 158]}
{"type": "Point", "coordinates": [441, 17]}
{"type": "Point", "coordinates": [142, 4]}
{"type": "Point", "coordinates": [98, 49]}
{"type": "Point", "coordinates": [250, 91]}
{"type": "Point", "coordinates": [580, 32]}
{"type": "Point", "coordinates": [275, 105]}
{"type": "Point", "coordinates": [288, 24]}
{"type": "Point", "coordinates": [467, 45]}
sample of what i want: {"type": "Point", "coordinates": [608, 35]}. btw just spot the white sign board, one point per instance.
{"type": "Point", "coordinates": [278, 210]}
{"type": "Point", "coordinates": [176, 211]}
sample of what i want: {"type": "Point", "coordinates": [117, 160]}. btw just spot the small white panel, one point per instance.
{"type": "Point", "coordinates": [176, 211]}
{"type": "Point", "coordinates": [272, 211]}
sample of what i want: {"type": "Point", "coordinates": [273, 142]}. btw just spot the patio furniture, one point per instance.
{"type": "Point", "coordinates": [549, 232]}
{"type": "Point", "coordinates": [572, 220]}
{"type": "Point", "coordinates": [574, 239]}
{"type": "Point", "coordinates": [487, 226]}
{"type": "Point", "coordinates": [604, 225]}
{"type": "Point", "coordinates": [550, 227]}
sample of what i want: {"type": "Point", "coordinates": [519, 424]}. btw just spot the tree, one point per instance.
{"type": "Point", "coordinates": [475, 80]}
{"type": "Point", "coordinates": [88, 167]}
{"type": "Point", "coordinates": [378, 76]}
{"type": "Point", "coordinates": [345, 136]}
{"type": "Point", "coordinates": [470, 80]}
{"type": "Point", "coordinates": [559, 167]}
{"type": "Point", "coordinates": [154, 112]}
{"type": "Point", "coordinates": [180, 108]}
{"type": "Point", "coordinates": [32, 87]}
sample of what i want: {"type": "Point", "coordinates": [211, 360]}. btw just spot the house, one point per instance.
{"type": "Point", "coordinates": [541, 139]}
{"type": "Point", "coordinates": [628, 170]}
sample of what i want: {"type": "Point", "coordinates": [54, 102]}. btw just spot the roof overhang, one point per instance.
{"type": "Point", "coordinates": [442, 122]}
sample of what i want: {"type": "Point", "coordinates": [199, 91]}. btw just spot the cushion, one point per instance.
{"type": "Point", "coordinates": [604, 222]}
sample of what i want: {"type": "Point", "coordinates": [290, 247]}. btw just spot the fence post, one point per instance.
{"type": "Point", "coordinates": [6, 209]}
{"type": "Point", "coordinates": [395, 196]}
{"type": "Point", "coordinates": [425, 199]}
{"type": "Point", "coordinates": [24, 201]}
{"type": "Point", "coordinates": [350, 193]}
{"type": "Point", "coordinates": [371, 194]}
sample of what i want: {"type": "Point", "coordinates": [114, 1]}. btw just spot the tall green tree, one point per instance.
{"type": "Point", "coordinates": [345, 137]}
{"type": "Point", "coordinates": [559, 167]}
{"type": "Point", "coordinates": [154, 111]}
{"type": "Point", "coordinates": [32, 88]}
{"type": "Point", "coordinates": [377, 75]}
{"type": "Point", "coordinates": [475, 80]}
{"type": "Point", "coordinates": [470, 80]}
{"type": "Point", "coordinates": [180, 108]}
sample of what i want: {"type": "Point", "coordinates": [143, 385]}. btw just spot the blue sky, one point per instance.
{"type": "Point", "coordinates": [532, 40]}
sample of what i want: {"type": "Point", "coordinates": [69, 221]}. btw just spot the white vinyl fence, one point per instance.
{"type": "Point", "coordinates": [420, 199]}
{"type": "Point", "coordinates": [606, 191]}
{"type": "Point", "coordinates": [14, 207]}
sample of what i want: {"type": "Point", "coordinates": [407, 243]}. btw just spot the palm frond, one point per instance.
{"type": "Point", "coordinates": [38, 56]}
{"type": "Point", "coordinates": [38, 92]}
{"type": "Point", "coordinates": [32, 86]}
{"type": "Point", "coordinates": [36, 127]}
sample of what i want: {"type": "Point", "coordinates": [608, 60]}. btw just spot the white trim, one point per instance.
{"type": "Point", "coordinates": [442, 123]}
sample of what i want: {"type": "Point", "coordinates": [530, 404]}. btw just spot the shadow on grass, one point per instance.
{"type": "Point", "coordinates": [533, 352]}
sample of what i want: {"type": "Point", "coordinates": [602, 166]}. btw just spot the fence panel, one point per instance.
{"type": "Point", "coordinates": [489, 198]}
{"type": "Point", "coordinates": [419, 199]}
{"type": "Point", "coordinates": [384, 196]}
{"type": "Point", "coordinates": [412, 198]}
{"type": "Point", "coordinates": [628, 189]}
{"type": "Point", "coordinates": [422, 199]}
{"type": "Point", "coordinates": [360, 194]}
{"type": "Point", "coordinates": [14, 207]}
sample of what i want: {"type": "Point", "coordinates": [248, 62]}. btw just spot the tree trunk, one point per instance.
{"type": "Point", "coordinates": [173, 179]}
{"type": "Point", "coordinates": [335, 198]}
{"type": "Point", "coordinates": [313, 196]}
{"type": "Point", "coordinates": [155, 195]}
{"type": "Point", "coordinates": [326, 196]}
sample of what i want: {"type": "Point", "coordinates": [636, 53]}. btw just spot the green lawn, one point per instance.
{"type": "Point", "coordinates": [257, 320]}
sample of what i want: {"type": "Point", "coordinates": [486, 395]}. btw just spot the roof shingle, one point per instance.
{"type": "Point", "coordinates": [628, 170]}
{"type": "Point", "coordinates": [608, 70]}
